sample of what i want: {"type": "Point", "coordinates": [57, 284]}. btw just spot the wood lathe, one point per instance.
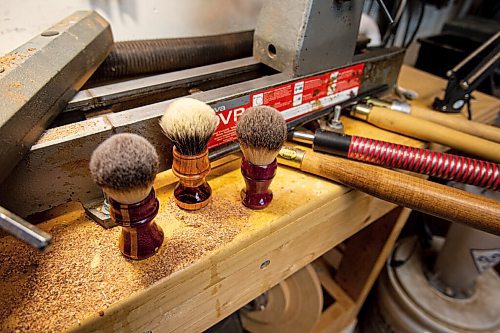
{"type": "Point", "coordinates": [217, 259]}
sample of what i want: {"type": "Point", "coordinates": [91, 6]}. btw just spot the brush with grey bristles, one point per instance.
{"type": "Point", "coordinates": [261, 132]}
{"type": "Point", "coordinates": [189, 124]}
{"type": "Point", "coordinates": [125, 166]}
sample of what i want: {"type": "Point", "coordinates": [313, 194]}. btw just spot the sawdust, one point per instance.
{"type": "Point", "coordinates": [14, 58]}
{"type": "Point", "coordinates": [83, 273]}
{"type": "Point", "coordinates": [64, 131]}
{"type": "Point", "coordinates": [206, 229]}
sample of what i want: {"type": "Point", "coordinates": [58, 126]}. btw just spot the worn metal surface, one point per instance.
{"type": "Point", "coordinates": [148, 90]}
{"type": "Point", "coordinates": [308, 37]}
{"type": "Point", "coordinates": [41, 76]}
{"type": "Point", "coordinates": [23, 231]}
{"type": "Point", "coordinates": [56, 169]}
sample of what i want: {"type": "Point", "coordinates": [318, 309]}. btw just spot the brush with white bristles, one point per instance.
{"type": "Point", "coordinates": [125, 167]}
{"type": "Point", "coordinates": [190, 124]}
{"type": "Point", "coordinates": [261, 132]}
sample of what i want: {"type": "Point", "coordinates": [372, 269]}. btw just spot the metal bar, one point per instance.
{"type": "Point", "coordinates": [303, 137]}
{"type": "Point", "coordinates": [108, 96]}
{"type": "Point", "coordinates": [56, 170]}
{"type": "Point", "coordinates": [471, 81]}
{"type": "Point", "coordinates": [476, 52]}
{"type": "Point", "coordinates": [23, 231]}
{"type": "Point", "coordinates": [385, 11]}
{"type": "Point", "coordinates": [41, 76]}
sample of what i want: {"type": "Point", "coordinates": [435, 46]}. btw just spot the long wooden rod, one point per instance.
{"type": "Point", "coordinates": [458, 122]}
{"type": "Point", "coordinates": [425, 130]}
{"type": "Point", "coordinates": [402, 189]}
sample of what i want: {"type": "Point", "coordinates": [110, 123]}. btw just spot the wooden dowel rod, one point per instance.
{"type": "Point", "coordinates": [405, 190]}
{"type": "Point", "coordinates": [425, 130]}
{"type": "Point", "coordinates": [458, 122]}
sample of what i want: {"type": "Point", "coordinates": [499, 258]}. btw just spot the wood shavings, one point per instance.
{"type": "Point", "coordinates": [83, 273]}
{"type": "Point", "coordinates": [207, 229]}
{"type": "Point", "coordinates": [11, 59]}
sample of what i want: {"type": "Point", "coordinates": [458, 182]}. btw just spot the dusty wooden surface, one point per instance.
{"type": "Point", "coordinates": [210, 265]}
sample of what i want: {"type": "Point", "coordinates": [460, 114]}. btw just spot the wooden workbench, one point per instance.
{"type": "Point", "coordinates": [211, 263]}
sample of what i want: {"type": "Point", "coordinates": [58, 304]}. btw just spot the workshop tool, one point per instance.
{"type": "Point", "coordinates": [426, 130]}
{"type": "Point", "coordinates": [465, 255]}
{"type": "Point", "coordinates": [30, 98]}
{"type": "Point", "coordinates": [399, 188]}
{"type": "Point", "coordinates": [41, 76]}
{"type": "Point", "coordinates": [455, 121]}
{"type": "Point", "coordinates": [63, 158]}
{"type": "Point", "coordinates": [140, 57]}
{"type": "Point", "coordinates": [408, 300]}
{"type": "Point", "coordinates": [388, 154]}
{"type": "Point", "coordinates": [23, 230]}
{"type": "Point", "coordinates": [125, 166]}
{"type": "Point", "coordinates": [293, 306]}
{"type": "Point", "coordinates": [305, 37]}
{"type": "Point", "coordinates": [190, 124]}
{"type": "Point", "coordinates": [462, 82]}
{"type": "Point", "coordinates": [260, 148]}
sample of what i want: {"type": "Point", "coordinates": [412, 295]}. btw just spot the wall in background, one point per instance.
{"type": "Point", "coordinates": [20, 20]}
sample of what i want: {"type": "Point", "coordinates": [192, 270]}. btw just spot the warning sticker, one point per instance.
{"type": "Point", "coordinates": [293, 99]}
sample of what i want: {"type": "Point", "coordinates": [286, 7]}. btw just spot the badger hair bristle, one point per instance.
{"type": "Point", "coordinates": [189, 124]}
{"type": "Point", "coordinates": [261, 132]}
{"type": "Point", "coordinates": [124, 162]}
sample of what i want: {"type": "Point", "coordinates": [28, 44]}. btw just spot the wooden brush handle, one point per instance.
{"type": "Point", "coordinates": [405, 190]}
{"type": "Point", "coordinates": [458, 122]}
{"type": "Point", "coordinates": [425, 130]}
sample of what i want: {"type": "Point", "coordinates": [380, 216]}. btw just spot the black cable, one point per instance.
{"type": "Point", "coordinates": [391, 29]}
{"type": "Point", "coordinates": [469, 109]}
{"type": "Point", "coordinates": [395, 263]}
{"type": "Point", "coordinates": [407, 28]}
{"type": "Point", "coordinates": [419, 23]}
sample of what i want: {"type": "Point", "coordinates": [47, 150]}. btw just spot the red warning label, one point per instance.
{"type": "Point", "coordinates": [293, 99]}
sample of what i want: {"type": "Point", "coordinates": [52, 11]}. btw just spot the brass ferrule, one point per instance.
{"type": "Point", "coordinates": [361, 111]}
{"type": "Point", "coordinates": [291, 156]}
{"type": "Point", "coordinates": [394, 105]}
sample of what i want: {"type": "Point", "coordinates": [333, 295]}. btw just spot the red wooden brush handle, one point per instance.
{"type": "Point", "coordinates": [256, 194]}
{"type": "Point", "coordinates": [141, 237]}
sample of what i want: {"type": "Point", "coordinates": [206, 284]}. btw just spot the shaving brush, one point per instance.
{"type": "Point", "coordinates": [190, 124]}
{"type": "Point", "coordinates": [125, 166]}
{"type": "Point", "coordinates": [261, 133]}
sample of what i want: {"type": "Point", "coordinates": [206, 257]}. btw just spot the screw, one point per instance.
{"type": "Point", "coordinates": [50, 33]}
{"type": "Point", "coordinates": [334, 123]}
{"type": "Point", "coordinates": [336, 113]}
{"type": "Point", "coordinates": [265, 263]}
